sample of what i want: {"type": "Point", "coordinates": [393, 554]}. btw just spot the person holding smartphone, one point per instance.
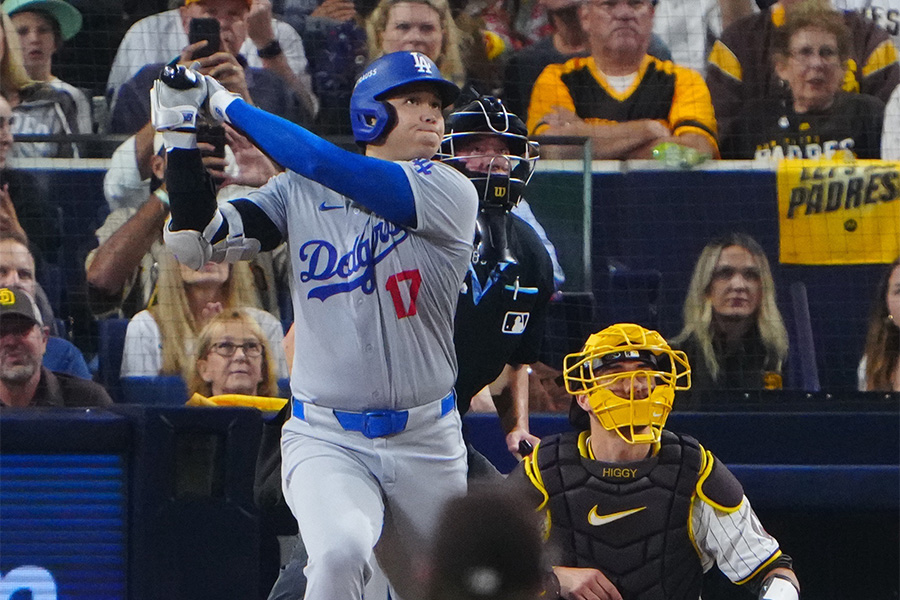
{"type": "Point", "coordinates": [248, 33]}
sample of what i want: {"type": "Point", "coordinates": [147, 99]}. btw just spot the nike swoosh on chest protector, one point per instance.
{"type": "Point", "coordinates": [596, 519]}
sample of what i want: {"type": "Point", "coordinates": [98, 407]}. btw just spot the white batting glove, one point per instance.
{"type": "Point", "coordinates": [219, 99]}
{"type": "Point", "coordinates": [175, 100]}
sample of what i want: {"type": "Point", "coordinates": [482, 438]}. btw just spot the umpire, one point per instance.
{"type": "Point", "coordinates": [502, 306]}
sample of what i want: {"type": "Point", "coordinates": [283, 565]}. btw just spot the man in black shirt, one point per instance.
{"type": "Point", "coordinates": [23, 380]}
{"type": "Point", "coordinates": [503, 302]}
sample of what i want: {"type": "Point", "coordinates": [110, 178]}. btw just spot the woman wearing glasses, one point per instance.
{"type": "Point", "coordinates": [814, 118]}
{"type": "Point", "coordinates": [163, 339]}
{"type": "Point", "coordinates": [233, 357]}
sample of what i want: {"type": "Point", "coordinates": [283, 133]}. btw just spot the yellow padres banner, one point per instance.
{"type": "Point", "coordinates": [837, 213]}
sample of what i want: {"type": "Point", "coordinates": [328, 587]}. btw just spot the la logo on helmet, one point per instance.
{"type": "Point", "coordinates": [422, 64]}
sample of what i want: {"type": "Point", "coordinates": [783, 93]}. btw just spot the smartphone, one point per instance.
{"type": "Point", "coordinates": [205, 29]}
{"type": "Point", "coordinates": [212, 134]}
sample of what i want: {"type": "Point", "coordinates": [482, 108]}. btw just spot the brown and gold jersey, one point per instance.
{"type": "Point", "coordinates": [662, 90]}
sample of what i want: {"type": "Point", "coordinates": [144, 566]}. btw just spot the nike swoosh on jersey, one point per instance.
{"type": "Point", "coordinates": [324, 206]}
{"type": "Point", "coordinates": [595, 519]}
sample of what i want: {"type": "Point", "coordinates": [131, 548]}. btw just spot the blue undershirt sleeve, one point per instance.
{"type": "Point", "coordinates": [379, 185]}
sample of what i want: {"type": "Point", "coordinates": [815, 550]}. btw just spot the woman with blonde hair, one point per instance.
{"type": "Point", "coordinates": [879, 369]}
{"type": "Point", "coordinates": [162, 339]}
{"type": "Point", "coordinates": [733, 333]}
{"type": "Point", "coordinates": [425, 26]}
{"type": "Point", "coordinates": [233, 357]}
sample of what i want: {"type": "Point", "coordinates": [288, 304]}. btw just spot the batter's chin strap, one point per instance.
{"type": "Point", "coordinates": [779, 587]}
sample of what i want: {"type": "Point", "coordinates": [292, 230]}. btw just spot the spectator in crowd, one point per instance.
{"type": "Point", "coordinates": [24, 381]}
{"type": "Point", "coordinates": [233, 357]}
{"type": "Point", "coordinates": [625, 100]}
{"type": "Point", "coordinates": [689, 27]}
{"type": "Point", "coordinates": [334, 37]}
{"type": "Point", "coordinates": [23, 209]}
{"type": "Point", "coordinates": [122, 271]}
{"type": "Point", "coordinates": [425, 26]}
{"type": "Point", "coordinates": [247, 30]}
{"type": "Point", "coordinates": [567, 39]}
{"type": "Point", "coordinates": [691, 512]}
{"type": "Point", "coordinates": [884, 13]}
{"type": "Point", "coordinates": [42, 27]}
{"type": "Point", "coordinates": [161, 340]}
{"type": "Point", "coordinates": [890, 130]}
{"type": "Point", "coordinates": [816, 119]}
{"type": "Point", "coordinates": [740, 64]}
{"type": "Point", "coordinates": [263, 87]}
{"type": "Point", "coordinates": [17, 269]}
{"type": "Point", "coordinates": [879, 369]}
{"type": "Point", "coordinates": [733, 332]}
{"type": "Point", "coordinates": [39, 108]}
{"type": "Point", "coordinates": [488, 547]}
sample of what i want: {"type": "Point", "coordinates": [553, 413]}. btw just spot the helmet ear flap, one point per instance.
{"type": "Point", "coordinates": [378, 122]}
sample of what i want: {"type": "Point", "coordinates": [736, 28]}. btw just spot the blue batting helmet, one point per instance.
{"type": "Point", "coordinates": [369, 116]}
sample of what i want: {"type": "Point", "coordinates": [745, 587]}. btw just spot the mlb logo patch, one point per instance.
{"type": "Point", "coordinates": [515, 322]}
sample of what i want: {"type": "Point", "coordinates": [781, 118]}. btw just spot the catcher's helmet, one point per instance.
{"type": "Point", "coordinates": [649, 390]}
{"type": "Point", "coordinates": [501, 181]}
{"type": "Point", "coordinates": [369, 115]}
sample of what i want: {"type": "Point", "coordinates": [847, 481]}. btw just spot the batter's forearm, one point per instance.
{"type": "Point", "coordinates": [192, 196]}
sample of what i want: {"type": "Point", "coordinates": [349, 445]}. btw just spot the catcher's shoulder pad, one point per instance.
{"type": "Point", "coordinates": [717, 486]}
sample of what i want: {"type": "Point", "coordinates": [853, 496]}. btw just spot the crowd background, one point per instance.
{"type": "Point", "coordinates": [810, 80]}
{"type": "Point", "coordinates": [669, 188]}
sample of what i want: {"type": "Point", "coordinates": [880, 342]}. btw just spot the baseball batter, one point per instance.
{"type": "Point", "coordinates": [379, 246]}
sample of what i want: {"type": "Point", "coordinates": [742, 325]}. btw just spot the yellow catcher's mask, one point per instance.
{"type": "Point", "coordinates": [634, 403]}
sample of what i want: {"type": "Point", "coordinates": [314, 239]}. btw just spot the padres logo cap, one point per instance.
{"type": "Point", "coordinates": [16, 301]}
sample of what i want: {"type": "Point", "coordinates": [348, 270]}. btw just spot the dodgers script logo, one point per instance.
{"type": "Point", "coordinates": [356, 268]}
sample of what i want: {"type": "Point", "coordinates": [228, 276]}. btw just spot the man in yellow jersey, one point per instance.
{"type": "Point", "coordinates": [625, 100]}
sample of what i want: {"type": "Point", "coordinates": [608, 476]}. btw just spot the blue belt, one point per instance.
{"type": "Point", "coordinates": [377, 423]}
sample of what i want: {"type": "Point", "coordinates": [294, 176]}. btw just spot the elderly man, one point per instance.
{"type": "Point", "coordinates": [253, 47]}
{"type": "Point", "coordinates": [23, 381]}
{"type": "Point", "coordinates": [627, 101]}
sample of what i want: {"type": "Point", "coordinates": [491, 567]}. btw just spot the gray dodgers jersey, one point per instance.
{"type": "Point", "coordinates": [374, 301]}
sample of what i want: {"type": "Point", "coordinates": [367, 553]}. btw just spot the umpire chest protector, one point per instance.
{"type": "Point", "coordinates": [629, 520]}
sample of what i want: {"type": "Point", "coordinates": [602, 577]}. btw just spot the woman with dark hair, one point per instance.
{"type": "Point", "coordinates": [733, 332]}
{"type": "Point", "coordinates": [814, 118]}
{"type": "Point", "coordinates": [878, 370]}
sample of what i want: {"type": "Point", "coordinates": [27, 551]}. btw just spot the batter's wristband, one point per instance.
{"type": "Point", "coordinates": [219, 103]}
